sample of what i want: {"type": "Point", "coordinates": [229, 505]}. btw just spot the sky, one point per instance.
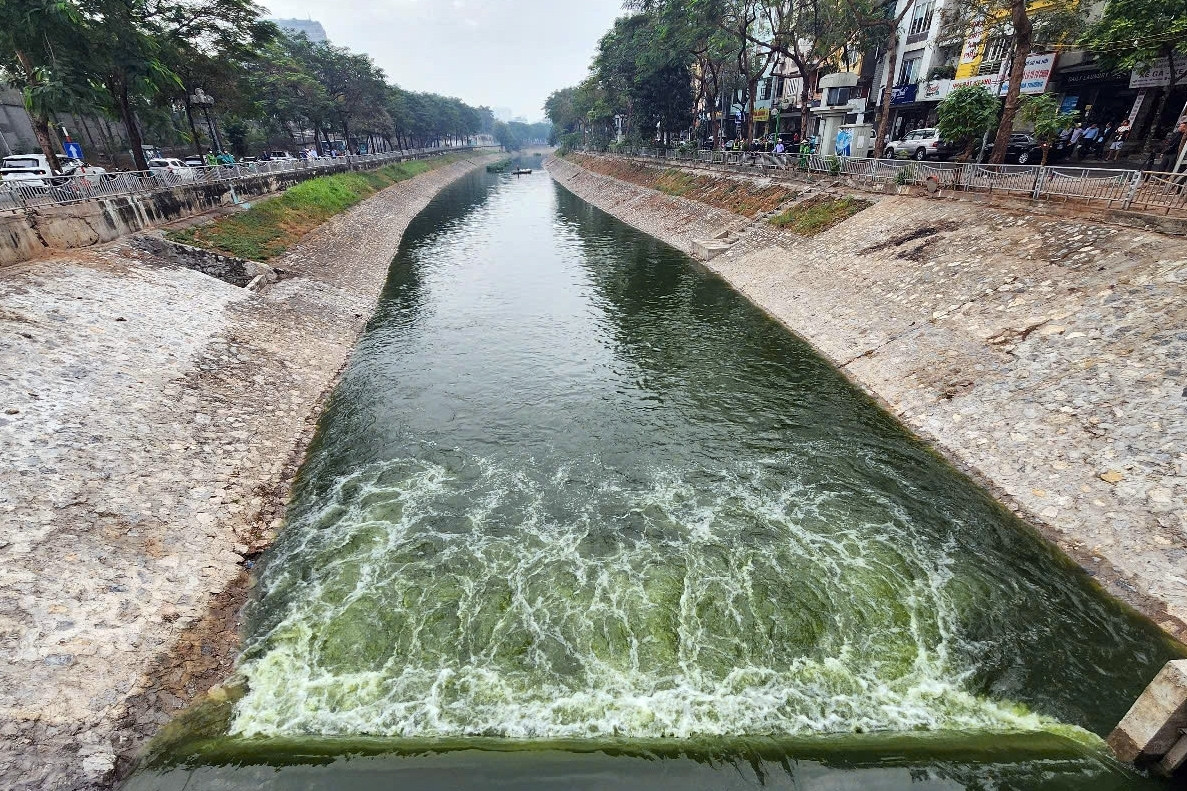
{"type": "Point", "coordinates": [498, 53]}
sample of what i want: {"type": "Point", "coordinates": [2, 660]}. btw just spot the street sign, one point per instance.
{"type": "Point", "coordinates": [72, 149]}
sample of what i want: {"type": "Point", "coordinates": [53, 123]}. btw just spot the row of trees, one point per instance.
{"type": "Point", "coordinates": [143, 60]}
{"type": "Point", "coordinates": [655, 67]}
{"type": "Point", "coordinates": [516, 135]}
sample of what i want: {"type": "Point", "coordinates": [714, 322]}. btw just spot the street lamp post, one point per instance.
{"type": "Point", "coordinates": [206, 101]}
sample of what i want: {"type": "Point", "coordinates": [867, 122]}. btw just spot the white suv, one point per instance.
{"type": "Point", "coordinates": [171, 171]}
{"type": "Point", "coordinates": [920, 145]}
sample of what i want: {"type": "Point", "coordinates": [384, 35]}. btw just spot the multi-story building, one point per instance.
{"type": "Point", "coordinates": [926, 64]}
{"type": "Point", "coordinates": [940, 49]}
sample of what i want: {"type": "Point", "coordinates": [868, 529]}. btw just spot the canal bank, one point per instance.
{"type": "Point", "coordinates": [1044, 356]}
{"type": "Point", "coordinates": [151, 420]}
{"type": "Point", "coordinates": [575, 494]}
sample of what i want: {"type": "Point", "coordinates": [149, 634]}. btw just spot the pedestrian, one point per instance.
{"type": "Point", "coordinates": [1119, 138]}
{"type": "Point", "coordinates": [1088, 140]}
{"type": "Point", "coordinates": [1077, 133]}
{"type": "Point", "coordinates": [779, 149]}
{"type": "Point", "coordinates": [1172, 146]}
{"type": "Point", "coordinates": [1103, 139]}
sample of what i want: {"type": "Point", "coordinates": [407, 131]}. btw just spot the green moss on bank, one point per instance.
{"type": "Point", "coordinates": [819, 214]}
{"type": "Point", "coordinates": [269, 228]}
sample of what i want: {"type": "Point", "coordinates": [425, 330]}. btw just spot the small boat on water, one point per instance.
{"type": "Point", "coordinates": [522, 172]}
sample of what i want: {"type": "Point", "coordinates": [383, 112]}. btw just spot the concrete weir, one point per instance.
{"type": "Point", "coordinates": [1044, 356]}
{"type": "Point", "coordinates": [1154, 731]}
{"type": "Point", "coordinates": [151, 418]}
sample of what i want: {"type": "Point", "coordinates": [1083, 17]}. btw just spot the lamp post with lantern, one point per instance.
{"type": "Point", "coordinates": [206, 101]}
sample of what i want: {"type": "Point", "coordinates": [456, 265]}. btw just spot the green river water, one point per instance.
{"type": "Point", "coordinates": [580, 516]}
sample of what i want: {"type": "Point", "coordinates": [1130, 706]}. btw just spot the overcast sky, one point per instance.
{"type": "Point", "coordinates": [501, 53]}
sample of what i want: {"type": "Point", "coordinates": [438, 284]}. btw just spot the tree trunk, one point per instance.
{"type": "Point", "coordinates": [189, 116]}
{"type": "Point", "coordinates": [887, 93]}
{"type": "Point", "coordinates": [1023, 36]}
{"type": "Point", "coordinates": [40, 119]}
{"type": "Point", "coordinates": [41, 131]}
{"type": "Point", "coordinates": [1152, 132]}
{"type": "Point", "coordinates": [119, 89]}
{"type": "Point", "coordinates": [110, 140]}
{"type": "Point", "coordinates": [86, 130]}
{"type": "Point", "coordinates": [805, 101]}
{"type": "Point", "coordinates": [751, 91]}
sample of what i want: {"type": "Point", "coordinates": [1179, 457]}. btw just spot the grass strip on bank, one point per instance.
{"type": "Point", "coordinates": [818, 214]}
{"type": "Point", "coordinates": [738, 196]}
{"type": "Point", "coordinates": [269, 228]}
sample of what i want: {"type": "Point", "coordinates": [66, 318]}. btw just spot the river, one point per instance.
{"type": "Point", "coordinates": [581, 516]}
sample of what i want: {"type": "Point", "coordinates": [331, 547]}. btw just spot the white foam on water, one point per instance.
{"type": "Point", "coordinates": [478, 597]}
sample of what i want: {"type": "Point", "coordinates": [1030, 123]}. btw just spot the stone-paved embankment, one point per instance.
{"type": "Point", "coordinates": [1046, 356]}
{"type": "Point", "coordinates": [150, 419]}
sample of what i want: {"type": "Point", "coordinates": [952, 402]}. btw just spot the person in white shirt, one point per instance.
{"type": "Point", "coordinates": [1119, 138]}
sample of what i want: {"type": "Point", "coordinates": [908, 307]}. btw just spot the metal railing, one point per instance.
{"type": "Point", "coordinates": [1135, 190]}
{"type": "Point", "coordinates": [56, 190]}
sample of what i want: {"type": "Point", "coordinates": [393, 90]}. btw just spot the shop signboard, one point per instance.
{"type": "Point", "coordinates": [989, 82]}
{"type": "Point", "coordinates": [1077, 78]}
{"type": "Point", "coordinates": [935, 90]}
{"type": "Point", "coordinates": [904, 94]}
{"type": "Point", "coordinates": [1157, 74]}
{"type": "Point", "coordinates": [1035, 75]}
{"type": "Point", "coordinates": [972, 43]}
{"type": "Point", "coordinates": [1137, 105]}
{"type": "Point", "coordinates": [762, 113]}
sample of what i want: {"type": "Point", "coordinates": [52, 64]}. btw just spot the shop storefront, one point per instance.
{"type": "Point", "coordinates": [915, 106]}
{"type": "Point", "coordinates": [1099, 96]}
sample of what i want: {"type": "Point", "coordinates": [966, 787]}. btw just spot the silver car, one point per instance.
{"type": "Point", "coordinates": [920, 145]}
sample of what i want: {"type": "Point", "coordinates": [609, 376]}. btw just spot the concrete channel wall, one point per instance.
{"type": "Point", "coordinates": [1043, 355]}
{"type": "Point", "coordinates": [28, 233]}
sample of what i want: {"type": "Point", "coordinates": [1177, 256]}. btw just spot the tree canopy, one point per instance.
{"type": "Point", "coordinates": [141, 61]}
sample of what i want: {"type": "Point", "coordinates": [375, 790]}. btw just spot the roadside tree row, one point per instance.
{"type": "Point", "coordinates": [143, 62]}
{"type": "Point", "coordinates": [673, 70]}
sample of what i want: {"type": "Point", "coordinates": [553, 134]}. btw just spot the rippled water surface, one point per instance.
{"type": "Point", "coordinates": [580, 516]}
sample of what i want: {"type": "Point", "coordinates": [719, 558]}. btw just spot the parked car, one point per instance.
{"type": "Point", "coordinates": [172, 171]}
{"type": "Point", "coordinates": [32, 170]}
{"type": "Point", "coordinates": [194, 161]}
{"type": "Point", "coordinates": [1025, 149]}
{"type": "Point", "coordinates": [920, 145]}
{"type": "Point", "coordinates": [280, 155]}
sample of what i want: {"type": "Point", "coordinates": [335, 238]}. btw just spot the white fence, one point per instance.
{"type": "Point", "coordinates": [1145, 191]}
{"type": "Point", "coordinates": [55, 190]}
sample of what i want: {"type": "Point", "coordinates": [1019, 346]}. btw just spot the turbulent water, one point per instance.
{"type": "Point", "coordinates": [574, 487]}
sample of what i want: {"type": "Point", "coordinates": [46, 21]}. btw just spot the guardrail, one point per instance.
{"type": "Point", "coordinates": [1135, 190]}
{"type": "Point", "coordinates": [58, 190]}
